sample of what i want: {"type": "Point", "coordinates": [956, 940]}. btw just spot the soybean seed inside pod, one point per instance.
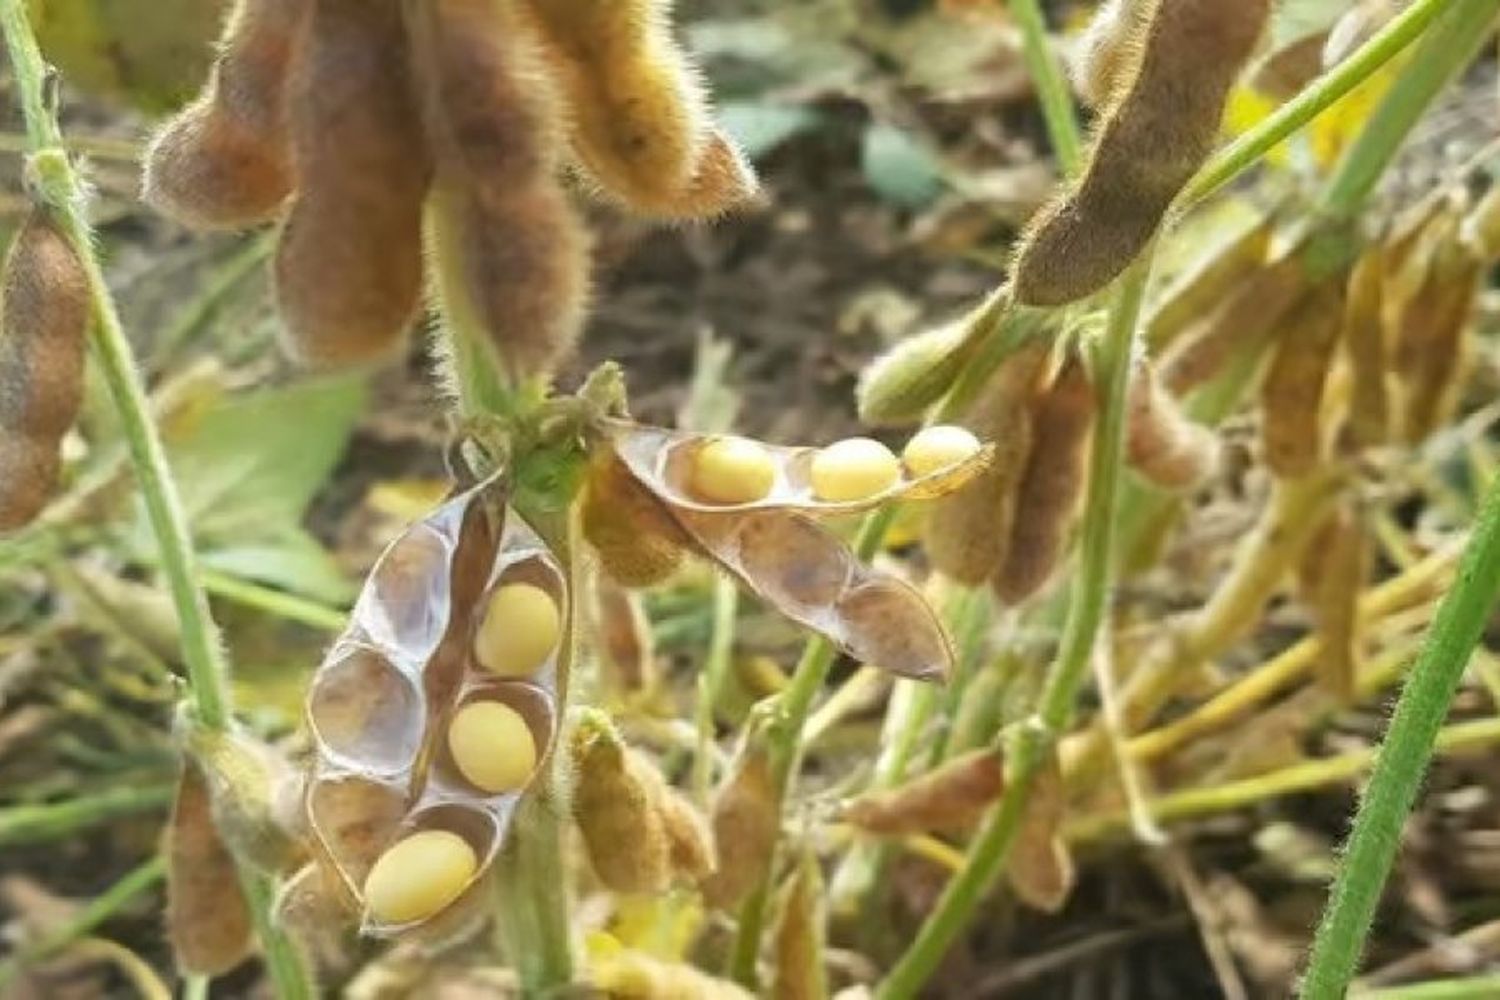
{"type": "Point", "coordinates": [853, 469]}
{"type": "Point", "coordinates": [934, 449]}
{"type": "Point", "coordinates": [520, 629]}
{"type": "Point", "coordinates": [492, 746]}
{"type": "Point", "coordinates": [419, 876]}
{"type": "Point", "coordinates": [733, 470]}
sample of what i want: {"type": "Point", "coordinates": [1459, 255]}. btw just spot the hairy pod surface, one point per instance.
{"type": "Point", "coordinates": [627, 974]}
{"type": "Point", "coordinates": [44, 317]}
{"type": "Point", "coordinates": [349, 265]}
{"type": "Point", "coordinates": [967, 534]}
{"type": "Point", "coordinates": [1291, 394]}
{"type": "Point", "coordinates": [746, 819]}
{"type": "Point", "coordinates": [951, 798]}
{"type": "Point", "coordinates": [253, 792]}
{"type": "Point", "coordinates": [511, 255]}
{"type": "Point", "coordinates": [1155, 134]}
{"type": "Point", "coordinates": [1369, 357]}
{"type": "Point", "coordinates": [1052, 486]}
{"type": "Point", "coordinates": [617, 806]}
{"type": "Point", "coordinates": [1244, 319]}
{"type": "Point", "coordinates": [799, 936]}
{"type": "Point", "coordinates": [208, 921]}
{"type": "Point", "coordinates": [903, 383]}
{"type": "Point", "coordinates": [1105, 51]}
{"type": "Point", "coordinates": [1162, 443]}
{"type": "Point", "coordinates": [225, 161]}
{"type": "Point", "coordinates": [626, 643]}
{"type": "Point", "coordinates": [393, 758]}
{"type": "Point", "coordinates": [637, 541]}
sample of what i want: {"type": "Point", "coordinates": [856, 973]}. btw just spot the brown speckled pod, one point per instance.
{"type": "Point", "coordinates": [1053, 484]}
{"type": "Point", "coordinates": [225, 161]}
{"type": "Point", "coordinates": [1156, 132]}
{"type": "Point", "coordinates": [381, 704]}
{"type": "Point", "coordinates": [44, 315]}
{"type": "Point", "coordinates": [208, 921]}
{"type": "Point", "coordinates": [349, 264]}
{"type": "Point", "coordinates": [1291, 394]}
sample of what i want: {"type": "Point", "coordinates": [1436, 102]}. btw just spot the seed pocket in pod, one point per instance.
{"type": "Point", "coordinates": [888, 624]}
{"type": "Point", "coordinates": [495, 739]}
{"type": "Point", "coordinates": [694, 472]}
{"type": "Point", "coordinates": [426, 875]}
{"type": "Point", "coordinates": [208, 921]}
{"type": "Point", "coordinates": [406, 592]}
{"type": "Point", "coordinates": [352, 818]}
{"type": "Point", "coordinates": [367, 712]}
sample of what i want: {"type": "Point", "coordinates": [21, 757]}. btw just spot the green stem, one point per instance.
{"type": "Point", "coordinates": [991, 845]}
{"type": "Point", "coordinates": [1246, 151]}
{"type": "Point", "coordinates": [1471, 988]}
{"type": "Point", "coordinates": [32, 824]}
{"type": "Point", "coordinates": [531, 911]}
{"type": "Point", "coordinates": [283, 605]}
{"type": "Point", "coordinates": [1053, 93]}
{"type": "Point", "coordinates": [59, 185]}
{"type": "Point", "coordinates": [100, 909]}
{"type": "Point", "coordinates": [1403, 759]}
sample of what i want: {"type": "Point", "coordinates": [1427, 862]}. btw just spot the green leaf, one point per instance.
{"type": "Point", "coordinates": [293, 562]}
{"type": "Point", "coordinates": [899, 167]}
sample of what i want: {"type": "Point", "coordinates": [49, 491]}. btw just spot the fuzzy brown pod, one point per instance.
{"type": "Point", "coordinates": [1199, 290]}
{"type": "Point", "coordinates": [434, 711]}
{"type": "Point", "coordinates": [1040, 868]}
{"type": "Point", "coordinates": [1291, 395]}
{"type": "Point", "coordinates": [225, 161]}
{"type": "Point", "coordinates": [1244, 319]}
{"type": "Point", "coordinates": [967, 533]}
{"type": "Point", "coordinates": [799, 935]}
{"type": "Point", "coordinates": [1369, 356]}
{"type": "Point", "coordinates": [349, 264]}
{"type": "Point", "coordinates": [637, 540]}
{"type": "Point", "coordinates": [1106, 50]}
{"type": "Point", "coordinates": [1052, 485]}
{"type": "Point", "coordinates": [1332, 576]}
{"type": "Point", "coordinates": [635, 826]}
{"type": "Point", "coordinates": [950, 798]}
{"type": "Point", "coordinates": [627, 974]}
{"type": "Point", "coordinates": [255, 796]}
{"type": "Point", "coordinates": [510, 253]}
{"type": "Point", "coordinates": [44, 316]}
{"type": "Point", "coordinates": [1162, 443]}
{"type": "Point", "coordinates": [208, 920]}
{"type": "Point", "coordinates": [1429, 345]}
{"type": "Point", "coordinates": [1157, 129]}
{"type": "Point", "coordinates": [746, 819]}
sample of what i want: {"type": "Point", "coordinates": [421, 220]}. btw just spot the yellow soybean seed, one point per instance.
{"type": "Point", "coordinates": [854, 469]}
{"type": "Point", "coordinates": [519, 630]}
{"type": "Point", "coordinates": [419, 876]}
{"type": "Point", "coordinates": [733, 470]}
{"type": "Point", "coordinates": [492, 746]}
{"type": "Point", "coordinates": [933, 449]}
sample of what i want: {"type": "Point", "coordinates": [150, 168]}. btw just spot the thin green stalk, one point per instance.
{"type": "Point", "coordinates": [1247, 150]}
{"type": "Point", "coordinates": [1053, 93]}
{"type": "Point", "coordinates": [991, 845]}
{"type": "Point", "coordinates": [716, 666]}
{"type": "Point", "coordinates": [1403, 759]}
{"type": "Point", "coordinates": [289, 607]}
{"type": "Point", "coordinates": [59, 185]}
{"type": "Point", "coordinates": [531, 909]}
{"type": "Point", "coordinates": [99, 909]}
{"type": "Point", "coordinates": [33, 824]}
{"type": "Point", "coordinates": [1470, 988]}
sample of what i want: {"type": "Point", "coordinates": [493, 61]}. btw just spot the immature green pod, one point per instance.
{"type": "Point", "coordinates": [1161, 442]}
{"type": "Point", "coordinates": [1052, 486]}
{"type": "Point", "coordinates": [44, 315]}
{"type": "Point", "coordinates": [1292, 393]}
{"type": "Point", "coordinates": [1155, 134]}
{"type": "Point", "coordinates": [967, 533]}
{"type": "Point", "coordinates": [349, 265]}
{"type": "Point", "coordinates": [225, 161]}
{"type": "Point", "coordinates": [512, 257]}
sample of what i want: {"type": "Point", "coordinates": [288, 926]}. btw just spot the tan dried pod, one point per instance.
{"type": "Point", "coordinates": [1107, 49]}
{"type": "Point", "coordinates": [898, 388]}
{"type": "Point", "coordinates": [799, 935]}
{"type": "Point", "coordinates": [208, 921]}
{"type": "Point", "coordinates": [1199, 290]}
{"type": "Point", "coordinates": [1341, 554]}
{"type": "Point", "coordinates": [1245, 318]}
{"type": "Point", "coordinates": [1291, 395]}
{"type": "Point", "coordinates": [967, 533]}
{"type": "Point", "coordinates": [44, 317]}
{"type": "Point", "coordinates": [511, 256]}
{"type": "Point", "coordinates": [626, 645]}
{"type": "Point", "coordinates": [746, 818]}
{"type": "Point", "coordinates": [1429, 348]}
{"type": "Point", "coordinates": [225, 161]}
{"type": "Point", "coordinates": [636, 539]}
{"type": "Point", "coordinates": [1155, 134]}
{"type": "Point", "coordinates": [1162, 443]}
{"type": "Point", "coordinates": [948, 799]}
{"type": "Point", "coordinates": [1040, 868]}
{"type": "Point", "coordinates": [639, 119]}
{"type": "Point", "coordinates": [616, 804]}
{"type": "Point", "coordinates": [693, 854]}
{"type": "Point", "coordinates": [626, 974]}
{"type": "Point", "coordinates": [1365, 343]}
{"type": "Point", "coordinates": [349, 265]}
{"type": "Point", "coordinates": [1053, 483]}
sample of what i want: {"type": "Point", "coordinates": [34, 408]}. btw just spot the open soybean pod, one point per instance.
{"type": "Point", "coordinates": [510, 254]}
{"type": "Point", "coordinates": [349, 264]}
{"type": "Point", "coordinates": [640, 124]}
{"type": "Point", "coordinates": [434, 711]}
{"type": "Point", "coordinates": [225, 161]}
{"type": "Point", "coordinates": [758, 523]}
{"type": "Point", "coordinates": [44, 316]}
{"type": "Point", "coordinates": [1292, 392]}
{"type": "Point", "coordinates": [1158, 129]}
{"type": "Point", "coordinates": [1369, 355]}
